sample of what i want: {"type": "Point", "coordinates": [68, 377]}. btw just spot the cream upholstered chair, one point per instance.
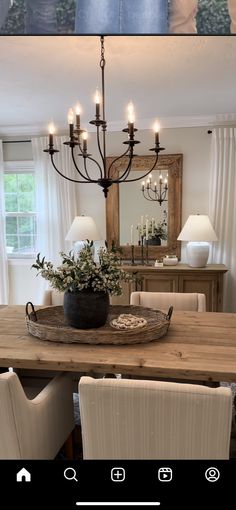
{"type": "Point", "coordinates": [34, 429]}
{"type": "Point", "coordinates": [53, 297]}
{"type": "Point", "coordinates": [163, 300]}
{"type": "Point", "coordinates": [130, 419]}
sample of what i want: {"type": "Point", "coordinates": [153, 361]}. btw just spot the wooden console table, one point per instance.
{"type": "Point", "coordinates": [180, 278]}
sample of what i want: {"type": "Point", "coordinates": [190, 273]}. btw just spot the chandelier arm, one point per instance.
{"type": "Point", "coordinates": [143, 176]}
{"type": "Point", "coordinates": [99, 166]}
{"type": "Point", "coordinates": [99, 147]}
{"type": "Point", "coordinates": [126, 173]}
{"type": "Point", "coordinates": [76, 167]}
{"type": "Point", "coordinates": [150, 199]}
{"type": "Point", "coordinates": [117, 159]}
{"type": "Point", "coordinates": [62, 175]}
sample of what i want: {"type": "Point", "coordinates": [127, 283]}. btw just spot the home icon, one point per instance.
{"type": "Point", "coordinates": [23, 476]}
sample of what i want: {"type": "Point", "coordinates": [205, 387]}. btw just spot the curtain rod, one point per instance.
{"type": "Point", "coordinates": [16, 141]}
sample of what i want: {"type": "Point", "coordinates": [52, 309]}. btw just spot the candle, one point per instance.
{"type": "Point", "coordinates": [77, 113]}
{"type": "Point", "coordinates": [85, 138]}
{"type": "Point", "coordinates": [153, 225]}
{"type": "Point", "coordinates": [97, 99]}
{"type": "Point", "coordinates": [146, 228]}
{"type": "Point", "coordinates": [156, 131]}
{"type": "Point", "coordinates": [132, 235]}
{"type": "Point", "coordinates": [141, 230]}
{"type": "Point", "coordinates": [131, 119]}
{"type": "Point", "coordinates": [143, 184]}
{"type": "Point", "coordinates": [70, 118]}
{"type": "Point", "coordinates": [51, 133]}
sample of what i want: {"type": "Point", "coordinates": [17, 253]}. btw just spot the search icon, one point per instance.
{"type": "Point", "coordinates": [70, 474]}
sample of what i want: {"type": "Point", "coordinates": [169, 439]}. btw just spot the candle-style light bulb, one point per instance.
{"type": "Point", "coordinates": [70, 116]}
{"type": "Point", "coordinates": [130, 109]}
{"type": "Point", "coordinates": [155, 186]}
{"type": "Point", "coordinates": [51, 129]}
{"type": "Point", "coordinates": [85, 141]}
{"type": "Point", "coordinates": [156, 131]}
{"type": "Point", "coordinates": [77, 115]}
{"type": "Point", "coordinates": [97, 100]}
{"type": "Point", "coordinates": [143, 185]}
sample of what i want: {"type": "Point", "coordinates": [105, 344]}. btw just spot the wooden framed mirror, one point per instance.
{"type": "Point", "coordinates": [126, 204]}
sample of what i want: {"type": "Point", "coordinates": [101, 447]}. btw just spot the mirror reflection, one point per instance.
{"type": "Point", "coordinates": [144, 209]}
{"type": "Point", "coordinates": [131, 210]}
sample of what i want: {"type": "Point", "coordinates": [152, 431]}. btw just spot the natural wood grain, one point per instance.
{"type": "Point", "coordinates": [174, 165]}
{"type": "Point", "coordinates": [199, 346]}
{"type": "Point", "coordinates": [180, 278]}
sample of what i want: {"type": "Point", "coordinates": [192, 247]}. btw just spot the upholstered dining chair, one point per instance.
{"type": "Point", "coordinates": [132, 419]}
{"type": "Point", "coordinates": [163, 300]}
{"type": "Point", "coordinates": [37, 428]}
{"type": "Point", "coordinates": [53, 297]}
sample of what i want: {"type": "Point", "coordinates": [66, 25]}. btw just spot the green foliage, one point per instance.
{"type": "Point", "coordinates": [82, 272]}
{"type": "Point", "coordinates": [15, 22]}
{"type": "Point", "coordinates": [213, 17]}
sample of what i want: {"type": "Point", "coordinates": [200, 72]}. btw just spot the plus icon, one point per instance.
{"type": "Point", "coordinates": [117, 474]}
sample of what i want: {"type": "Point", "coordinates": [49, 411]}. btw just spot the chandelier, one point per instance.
{"type": "Point", "coordinates": [155, 192]}
{"type": "Point", "coordinates": [78, 143]}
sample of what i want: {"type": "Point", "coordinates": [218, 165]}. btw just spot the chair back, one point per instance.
{"type": "Point", "coordinates": [137, 419]}
{"type": "Point", "coordinates": [163, 300]}
{"type": "Point", "coordinates": [10, 392]}
{"type": "Point", "coordinates": [53, 297]}
{"type": "Point", "coordinates": [37, 428]}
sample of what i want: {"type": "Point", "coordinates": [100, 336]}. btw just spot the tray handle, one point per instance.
{"type": "Point", "coordinates": [33, 310]}
{"type": "Point", "coordinates": [170, 311]}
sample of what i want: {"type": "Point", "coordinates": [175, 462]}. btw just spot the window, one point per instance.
{"type": "Point", "coordinates": [20, 209]}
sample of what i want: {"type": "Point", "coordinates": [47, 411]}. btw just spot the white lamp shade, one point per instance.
{"type": "Point", "coordinates": [198, 228]}
{"type": "Point", "coordinates": [83, 228]}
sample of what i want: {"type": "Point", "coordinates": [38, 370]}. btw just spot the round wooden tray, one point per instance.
{"type": "Point", "coordinates": [49, 324]}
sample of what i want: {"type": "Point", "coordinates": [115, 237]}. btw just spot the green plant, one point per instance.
{"type": "Point", "coordinates": [81, 272]}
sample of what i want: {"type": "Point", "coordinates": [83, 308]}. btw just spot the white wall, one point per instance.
{"type": "Point", "coordinates": [194, 143]}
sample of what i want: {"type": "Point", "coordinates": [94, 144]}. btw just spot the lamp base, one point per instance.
{"type": "Point", "coordinates": [197, 254]}
{"type": "Point", "coordinates": [78, 246]}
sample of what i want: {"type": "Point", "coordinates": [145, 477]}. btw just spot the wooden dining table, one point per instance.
{"type": "Point", "coordinates": [197, 346]}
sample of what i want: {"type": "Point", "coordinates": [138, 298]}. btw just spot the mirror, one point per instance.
{"type": "Point", "coordinates": [127, 206]}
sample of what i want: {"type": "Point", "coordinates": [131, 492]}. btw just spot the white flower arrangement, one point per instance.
{"type": "Point", "coordinates": [78, 273]}
{"type": "Point", "coordinates": [154, 230]}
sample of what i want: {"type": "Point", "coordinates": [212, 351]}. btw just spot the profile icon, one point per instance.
{"type": "Point", "coordinates": [212, 474]}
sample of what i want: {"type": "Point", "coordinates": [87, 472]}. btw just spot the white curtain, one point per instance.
{"type": "Point", "coordinates": [222, 207]}
{"type": "Point", "coordinates": [4, 284]}
{"type": "Point", "coordinates": [56, 200]}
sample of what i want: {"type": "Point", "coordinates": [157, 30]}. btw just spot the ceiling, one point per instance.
{"type": "Point", "coordinates": [170, 77]}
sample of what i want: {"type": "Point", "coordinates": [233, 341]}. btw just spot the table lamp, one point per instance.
{"type": "Point", "coordinates": [83, 228]}
{"type": "Point", "coordinates": [198, 231]}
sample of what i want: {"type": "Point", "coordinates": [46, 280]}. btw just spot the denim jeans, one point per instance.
{"type": "Point", "coordinates": [121, 16]}
{"type": "Point", "coordinates": [41, 17]}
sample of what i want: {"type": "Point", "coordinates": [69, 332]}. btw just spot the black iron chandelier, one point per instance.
{"type": "Point", "coordinates": [78, 142]}
{"type": "Point", "coordinates": [153, 191]}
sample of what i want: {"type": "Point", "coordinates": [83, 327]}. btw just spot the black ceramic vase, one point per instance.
{"type": "Point", "coordinates": [86, 309]}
